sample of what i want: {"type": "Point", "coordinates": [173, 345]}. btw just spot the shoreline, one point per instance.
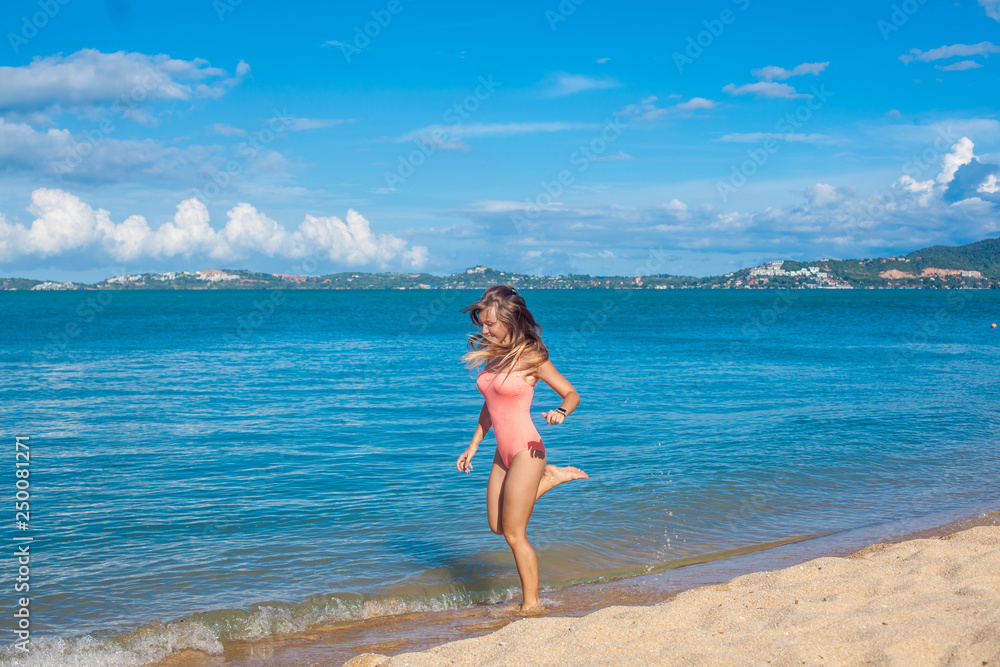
{"type": "Point", "coordinates": [930, 597]}
{"type": "Point", "coordinates": [405, 633]}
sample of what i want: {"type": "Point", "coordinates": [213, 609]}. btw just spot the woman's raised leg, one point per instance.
{"type": "Point", "coordinates": [520, 488]}
{"type": "Point", "coordinates": [555, 476]}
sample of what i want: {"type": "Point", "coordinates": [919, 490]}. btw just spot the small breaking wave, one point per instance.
{"type": "Point", "coordinates": [207, 631]}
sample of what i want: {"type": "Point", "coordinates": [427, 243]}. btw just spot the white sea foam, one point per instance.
{"type": "Point", "coordinates": [150, 643]}
{"type": "Point", "coordinates": [207, 631]}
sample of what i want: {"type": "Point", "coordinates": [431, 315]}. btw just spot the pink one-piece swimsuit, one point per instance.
{"type": "Point", "coordinates": [508, 399]}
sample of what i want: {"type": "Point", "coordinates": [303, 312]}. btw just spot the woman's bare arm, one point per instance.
{"type": "Point", "coordinates": [485, 423]}
{"type": "Point", "coordinates": [464, 462]}
{"type": "Point", "coordinates": [570, 398]}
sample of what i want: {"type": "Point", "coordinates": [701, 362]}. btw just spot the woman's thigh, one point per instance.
{"type": "Point", "coordinates": [520, 488]}
{"type": "Point", "coordinates": [494, 495]}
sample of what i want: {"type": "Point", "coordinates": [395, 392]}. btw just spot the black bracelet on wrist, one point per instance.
{"type": "Point", "coordinates": [564, 413]}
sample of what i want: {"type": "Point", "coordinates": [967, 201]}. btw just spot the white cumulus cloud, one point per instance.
{"type": "Point", "coordinates": [772, 73]}
{"type": "Point", "coordinates": [452, 137]}
{"type": "Point", "coordinates": [906, 214]}
{"type": "Point", "coordinates": [89, 78]}
{"type": "Point", "coordinates": [66, 226]}
{"type": "Point", "coordinates": [924, 190]}
{"type": "Point", "coordinates": [646, 110]}
{"type": "Point", "coordinates": [766, 85]}
{"type": "Point", "coordinates": [764, 89]}
{"type": "Point", "coordinates": [620, 156]}
{"type": "Point", "coordinates": [825, 195]}
{"type": "Point", "coordinates": [757, 137]}
{"type": "Point", "coordinates": [950, 51]}
{"type": "Point", "coordinates": [561, 83]}
{"type": "Point", "coordinates": [97, 156]}
{"type": "Point", "coordinates": [354, 243]}
{"type": "Point", "coordinates": [960, 154]}
{"type": "Point", "coordinates": [960, 66]}
{"type": "Point", "coordinates": [187, 234]}
{"type": "Point", "coordinates": [62, 222]}
{"type": "Point", "coordinates": [227, 130]}
{"type": "Point", "coordinates": [696, 103]}
{"type": "Point", "coordinates": [249, 229]}
{"type": "Point", "coordinates": [990, 185]}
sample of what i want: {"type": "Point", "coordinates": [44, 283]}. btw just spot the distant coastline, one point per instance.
{"type": "Point", "coordinates": [972, 266]}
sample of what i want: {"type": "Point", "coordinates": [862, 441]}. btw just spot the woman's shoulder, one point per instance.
{"type": "Point", "coordinates": [535, 354]}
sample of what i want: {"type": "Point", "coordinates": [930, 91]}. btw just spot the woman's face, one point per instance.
{"type": "Point", "coordinates": [492, 328]}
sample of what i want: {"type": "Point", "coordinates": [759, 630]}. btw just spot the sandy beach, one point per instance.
{"type": "Point", "coordinates": [933, 601]}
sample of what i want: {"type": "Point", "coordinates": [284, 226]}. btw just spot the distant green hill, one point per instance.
{"type": "Point", "coordinates": [982, 256]}
{"type": "Point", "coordinates": [877, 272]}
{"type": "Point", "coordinates": [17, 283]}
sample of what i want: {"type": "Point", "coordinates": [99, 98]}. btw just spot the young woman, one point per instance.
{"type": "Point", "coordinates": [515, 360]}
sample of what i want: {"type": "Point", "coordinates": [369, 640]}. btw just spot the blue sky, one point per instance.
{"type": "Point", "coordinates": [547, 138]}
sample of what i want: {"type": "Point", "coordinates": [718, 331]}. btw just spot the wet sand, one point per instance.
{"type": "Point", "coordinates": [929, 601]}
{"type": "Point", "coordinates": [336, 643]}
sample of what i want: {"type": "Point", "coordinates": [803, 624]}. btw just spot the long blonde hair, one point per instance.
{"type": "Point", "coordinates": [523, 333]}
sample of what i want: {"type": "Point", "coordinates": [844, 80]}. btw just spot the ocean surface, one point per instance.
{"type": "Point", "coordinates": [208, 467]}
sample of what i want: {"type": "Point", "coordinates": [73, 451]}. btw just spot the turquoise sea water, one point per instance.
{"type": "Point", "coordinates": [209, 466]}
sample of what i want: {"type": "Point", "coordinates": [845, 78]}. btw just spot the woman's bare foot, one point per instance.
{"type": "Point", "coordinates": [535, 608]}
{"type": "Point", "coordinates": [565, 474]}
{"type": "Point", "coordinates": [554, 476]}
{"type": "Point", "coordinates": [504, 610]}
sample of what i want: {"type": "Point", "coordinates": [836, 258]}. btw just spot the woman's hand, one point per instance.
{"type": "Point", "coordinates": [464, 463]}
{"type": "Point", "coordinates": [553, 417]}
